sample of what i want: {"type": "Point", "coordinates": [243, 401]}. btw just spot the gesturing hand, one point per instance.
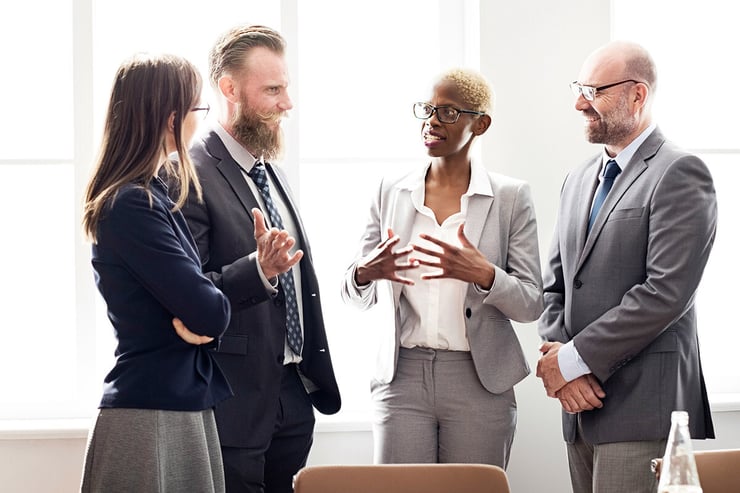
{"type": "Point", "coordinates": [187, 336]}
{"type": "Point", "coordinates": [465, 263]}
{"type": "Point", "coordinates": [273, 247]}
{"type": "Point", "coordinates": [383, 263]}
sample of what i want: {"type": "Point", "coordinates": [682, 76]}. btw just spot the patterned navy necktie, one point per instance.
{"type": "Point", "coordinates": [610, 173]}
{"type": "Point", "coordinates": [293, 323]}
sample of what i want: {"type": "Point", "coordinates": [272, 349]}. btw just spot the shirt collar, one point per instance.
{"type": "Point", "coordinates": [479, 182]}
{"type": "Point", "coordinates": [242, 156]}
{"type": "Point", "coordinates": [624, 157]}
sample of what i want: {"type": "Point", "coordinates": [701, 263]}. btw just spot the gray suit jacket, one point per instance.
{"type": "Point", "coordinates": [625, 292]}
{"type": "Point", "coordinates": [504, 229]}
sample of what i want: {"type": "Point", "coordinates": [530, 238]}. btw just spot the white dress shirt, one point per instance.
{"type": "Point", "coordinates": [438, 303]}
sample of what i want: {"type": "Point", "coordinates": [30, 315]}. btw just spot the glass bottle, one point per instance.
{"type": "Point", "coordinates": [678, 472]}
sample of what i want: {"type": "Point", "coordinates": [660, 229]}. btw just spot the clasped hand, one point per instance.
{"type": "Point", "coordinates": [581, 394]}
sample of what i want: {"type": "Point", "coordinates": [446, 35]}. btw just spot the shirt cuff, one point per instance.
{"type": "Point", "coordinates": [570, 362]}
{"type": "Point", "coordinates": [269, 285]}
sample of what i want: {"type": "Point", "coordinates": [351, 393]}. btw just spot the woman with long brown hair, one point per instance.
{"type": "Point", "coordinates": [155, 430]}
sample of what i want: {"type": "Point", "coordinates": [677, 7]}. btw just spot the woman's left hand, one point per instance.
{"type": "Point", "coordinates": [187, 336]}
{"type": "Point", "coordinates": [465, 263]}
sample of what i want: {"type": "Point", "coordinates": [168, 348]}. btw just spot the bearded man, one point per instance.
{"type": "Point", "coordinates": [253, 246]}
{"type": "Point", "coordinates": [636, 224]}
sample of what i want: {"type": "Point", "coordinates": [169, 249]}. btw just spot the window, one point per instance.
{"type": "Point", "coordinates": [695, 107]}
{"type": "Point", "coordinates": [352, 121]}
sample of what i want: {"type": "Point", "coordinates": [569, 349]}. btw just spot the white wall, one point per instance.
{"type": "Point", "coordinates": [530, 50]}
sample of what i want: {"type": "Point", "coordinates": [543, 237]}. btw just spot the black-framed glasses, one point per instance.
{"type": "Point", "coordinates": [445, 114]}
{"type": "Point", "coordinates": [206, 108]}
{"type": "Point", "coordinates": [589, 92]}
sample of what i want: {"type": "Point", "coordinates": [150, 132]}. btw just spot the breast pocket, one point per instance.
{"type": "Point", "coordinates": [622, 214]}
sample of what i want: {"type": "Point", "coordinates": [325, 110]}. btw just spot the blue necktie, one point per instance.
{"type": "Point", "coordinates": [293, 323]}
{"type": "Point", "coordinates": [610, 173]}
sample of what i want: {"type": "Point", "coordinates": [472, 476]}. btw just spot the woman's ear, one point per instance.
{"type": "Point", "coordinates": [481, 124]}
{"type": "Point", "coordinates": [171, 122]}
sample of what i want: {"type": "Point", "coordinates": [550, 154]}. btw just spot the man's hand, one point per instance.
{"type": "Point", "coordinates": [187, 336]}
{"type": "Point", "coordinates": [384, 263]}
{"type": "Point", "coordinates": [582, 394]}
{"type": "Point", "coordinates": [549, 370]}
{"type": "Point", "coordinates": [273, 247]}
{"type": "Point", "coordinates": [465, 263]}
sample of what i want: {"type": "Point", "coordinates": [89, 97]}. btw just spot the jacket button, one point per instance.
{"type": "Point", "coordinates": [468, 312]}
{"type": "Point", "coordinates": [577, 284]}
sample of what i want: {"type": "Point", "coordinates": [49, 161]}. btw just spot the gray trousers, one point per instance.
{"type": "Point", "coordinates": [619, 467]}
{"type": "Point", "coordinates": [436, 410]}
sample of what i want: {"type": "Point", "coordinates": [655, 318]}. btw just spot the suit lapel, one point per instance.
{"type": "Point", "coordinates": [637, 165]}
{"type": "Point", "coordinates": [402, 214]}
{"type": "Point", "coordinates": [478, 208]}
{"type": "Point", "coordinates": [231, 171]}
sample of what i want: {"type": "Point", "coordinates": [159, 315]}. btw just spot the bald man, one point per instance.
{"type": "Point", "coordinates": [636, 224]}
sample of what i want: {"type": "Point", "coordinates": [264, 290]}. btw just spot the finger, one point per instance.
{"type": "Point", "coordinates": [436, 241]}
{"type": "Point", "coordinates": [431, 253]}
{"type": "Point", "coordinates": [595, 387]}
{"type": "Point", "coordinates": [260, 227]}
{"type": "Point", "coordinates": [390, 233]}
{"type": "Point", "coordinates": [546, 346]}
{"type": "Point", "coordinates": [295, 258]}
{"type": "Point", "coordinates": [402, 280]}
{"type": "Point", "coordinates": [407, 266]}
{"type": "Point", "coordinates": [428, 263]}
{"type": "Point", "coordinates": [461, 236]}
{"type": "Point", "coordinates": [403, 251]}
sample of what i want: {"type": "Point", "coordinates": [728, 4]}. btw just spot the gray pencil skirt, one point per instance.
{"type": "Point", "coordinates": [149, 450]}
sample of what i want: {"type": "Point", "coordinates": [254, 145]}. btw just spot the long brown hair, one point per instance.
{"type": "Point", "coordinates": [146, 91]}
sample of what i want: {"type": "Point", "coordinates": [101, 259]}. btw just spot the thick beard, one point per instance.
{"type": "Point", "coordinates": [614, 126]}
{"type": "Point", "coordinates": [258, 133]}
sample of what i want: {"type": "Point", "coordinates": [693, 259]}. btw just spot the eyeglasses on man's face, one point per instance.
{"type": "Point", "coordinates": [445, 114]}
{"type": "Point", "coordinates": [589, 92]}
{"type": "Point", "coordinates": [205, 109]}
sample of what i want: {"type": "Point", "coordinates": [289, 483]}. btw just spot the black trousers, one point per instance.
{"type": "Point", "coordinates": [270, 467]}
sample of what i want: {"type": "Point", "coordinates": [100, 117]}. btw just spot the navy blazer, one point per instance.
{"type": "Point", "coordinates": [148, 271]}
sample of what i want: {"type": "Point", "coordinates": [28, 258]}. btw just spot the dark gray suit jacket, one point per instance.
{"type": "Point", "coordinates": [625, 292]}
{"type": "Point", "coordinates": [251, 350]}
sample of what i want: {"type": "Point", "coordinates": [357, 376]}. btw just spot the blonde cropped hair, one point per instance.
{"type": "Point", "coordinates": [473, 87]}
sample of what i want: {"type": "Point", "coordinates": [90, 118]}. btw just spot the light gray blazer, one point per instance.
{"type": "Point", "coordinates": [504, 229]}
{"type": "Point", "coordinates": [625, 293]}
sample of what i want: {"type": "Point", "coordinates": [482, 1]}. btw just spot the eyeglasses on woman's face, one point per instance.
{"type": "Point", "coordinates": [445, 114]}
{"type": "Point", "coordinates": [205, 109]}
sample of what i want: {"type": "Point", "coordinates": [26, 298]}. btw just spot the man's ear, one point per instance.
{"type": "Point", "coordinates": [641, 94]}
{"type": "Point", "coordinates": [481, 124]}
{"type": "Point", "coordinates": [228, 88]}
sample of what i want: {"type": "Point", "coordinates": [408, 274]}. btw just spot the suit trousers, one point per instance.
{"type": "Point", "coordinates": [436, 410]}
{"type": "Point", "coordinates": [613, 467]}
{"type": "Point", "coordinates": [270, 467]}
